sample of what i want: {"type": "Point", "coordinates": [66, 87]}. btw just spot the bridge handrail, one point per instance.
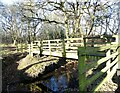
{"type": "Point", "coordinates": [71, 44]}
{"type": "Point", "coordinates": [84, 82]}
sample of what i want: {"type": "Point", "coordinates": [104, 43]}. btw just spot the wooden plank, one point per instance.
{"type": "Point", "coordinates": [109, 61]}
{"type": "Point", "coordinates": [93, 78]}
{"type": "Point", "coordinates": [93, 64]}
{"type": "Point", "coordinates": [96, 54]}
{"type": "Point", "coordinates": [45, 44]}
{"type": "Point", "coordinates": [58, 54]}
{"type": "Point", "coordinates": [53, 44]}
{"type": "Point", "coordinates": [88, 50]}
{"type": "Point", "coordinates": [108, 77]}
{"type": "Point", "coordinates": [71, 51]}
{"type": "Point", "coordinates": [102, 48]}
{"type": "Point", "coordinates": [45, 48]}
{"type": "Point", "coordinates": [97, 43]}
{"type": "Point", "coordinates": [75, 43]}
{"type": "Point", "coordinates": [72, 48]}
{"type": "Point", "coordinates": [35, 46]}
{"type": "Point", "coordinates": [53, 47]}
{"type": "Point", "coordinates": [102, 60]}
{"type": "Point", "coordinates": [118, 43]}
{"type": "Point", "coordinates": [72, 55]}
{"type": "Point", "coordinates": [98, 37]}
{"type": "Point", "coordinates": [52, 40]}
{"type": "Point", "coordinates": [73, 39]}
{"type": "Point", "coordinates": [36, 41]}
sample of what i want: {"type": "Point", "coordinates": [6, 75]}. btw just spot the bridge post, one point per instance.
{"type": "Point", "coordinates": [64, 49]}
{"type": "Point", "coordinates": [31, 49]}
{"type": "Point", "coordinates": [40, 47]}
{"type": "Point", "coordinates": [49, 47]}
{"type": "Point", "coordinates": [81, 68]}
{"type": "Point", "coordinates": [118, 43]}
{"type": "Point", "coordinates": [29, 46]}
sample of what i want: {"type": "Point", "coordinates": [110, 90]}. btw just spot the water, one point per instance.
{"type": "Point", "coordinates": [64, 79]}
{"type": "Point", "coordinates": [57, 84]}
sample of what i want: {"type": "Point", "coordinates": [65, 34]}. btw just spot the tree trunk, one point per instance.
{"type": "Point", "coordinates": [67, 31]}
{"type": "Point", "coordinates": [14, 42]}
{"type": "Point", "coordinates": [66, 27]}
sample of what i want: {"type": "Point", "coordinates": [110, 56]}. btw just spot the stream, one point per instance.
{"type": "Point", "coordinates": [62, 80]}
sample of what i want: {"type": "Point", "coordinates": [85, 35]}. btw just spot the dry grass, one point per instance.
{"type": "Point", "coordinates": [108, 86]}
{"type": "Point", "coordinates": [33, 66]}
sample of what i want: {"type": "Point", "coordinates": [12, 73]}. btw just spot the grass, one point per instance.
{"type": "Point", "coordinates": [5, 49]}
{"type": "Point", "coordinates": [33, 66]}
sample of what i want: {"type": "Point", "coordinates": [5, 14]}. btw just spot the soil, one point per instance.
{"type": "Point", "coordinates": [10, 73]}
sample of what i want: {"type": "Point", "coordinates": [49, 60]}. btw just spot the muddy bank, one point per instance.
{"type": "Point", "coordinates": [46, 74]}
{"type": "Point", "coordinates": [19, 70]}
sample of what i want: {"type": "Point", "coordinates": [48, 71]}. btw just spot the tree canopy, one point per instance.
{"type": "Point", "coordinates": [50, 19]}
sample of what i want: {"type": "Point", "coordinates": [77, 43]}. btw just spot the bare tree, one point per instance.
{"type": "Point", "coordinates": [10, 22]}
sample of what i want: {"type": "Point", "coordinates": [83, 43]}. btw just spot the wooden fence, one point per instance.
{"type": "Point", "coordinates": [58, 47]}
{"type": "Point", "coordinates": [66, 47]}
{"type": "Point", "coordinates": [105, 58]}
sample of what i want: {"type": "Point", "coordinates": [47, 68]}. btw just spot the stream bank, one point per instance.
{"type": "Point", "coordinates": [47, 74]}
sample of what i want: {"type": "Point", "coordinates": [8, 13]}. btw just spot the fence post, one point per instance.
{"type": "Point", "coordinates": [81, 68]}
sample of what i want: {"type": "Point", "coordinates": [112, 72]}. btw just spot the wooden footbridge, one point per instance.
{"type": "Point", "coordinates": [58, 47]}
{"type": "Point", "coordinates": [91, 52]}
{"type": "Point", "coordinates": [67, 47]}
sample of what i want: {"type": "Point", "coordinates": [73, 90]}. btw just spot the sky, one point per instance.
{"type": "Point", "coordinates": [9, 2]}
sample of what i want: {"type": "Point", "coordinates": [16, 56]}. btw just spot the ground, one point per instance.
{"type": "Point", "coordinates": [24, 73]}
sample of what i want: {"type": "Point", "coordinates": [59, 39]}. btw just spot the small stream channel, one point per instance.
{"type": "Point", "coordinates": [62, 80]}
